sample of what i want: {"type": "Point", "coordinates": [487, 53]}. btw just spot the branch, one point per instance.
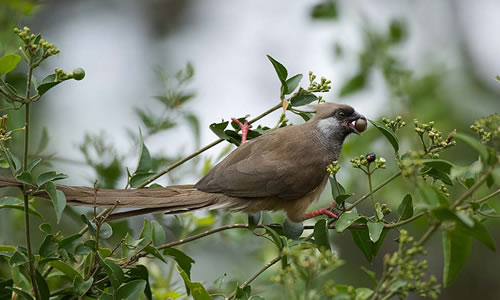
{"type": "Point", "coordinates": [394, 176]}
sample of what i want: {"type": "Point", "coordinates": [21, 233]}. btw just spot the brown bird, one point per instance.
{"type": "Point", "coordinates": [284, 169]}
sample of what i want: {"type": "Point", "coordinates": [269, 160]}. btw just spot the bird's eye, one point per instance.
{"type": "Point", "coordinates": [341, 114]}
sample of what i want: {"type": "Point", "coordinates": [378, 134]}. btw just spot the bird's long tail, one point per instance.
{"type": "Point", "coordinates": [175, 199]}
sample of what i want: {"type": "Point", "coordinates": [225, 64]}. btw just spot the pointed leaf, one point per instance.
{"type": "Point", "coordinates": [49, 176]}
{"type": "Point", "coordinates": [456, 249]}
{"type": "Point", "coordinates": [58, 199]}
{"type": "Point", "coordinates": [65, 268]}
{"type": "Point", "coordinates": [81, 287]}
{"type": "Point", "coordinates": [131, 290]}
{"type": "Point", "coordinates": [144, 164]}
{"type": "Point", "coordinates": [183, 260]}
{"type": "Point", "coordinates": [405, 209]}
{"type": "Point", "coordinates": [25, 177]}
{"type": "Point", "coordinates": [355, 84]}
{"type": "Point", "coordinates": [389, 135]}
{"type": "Point", "coordinates": [374, 230]}
{"type": "Point", "coordinates": [439, 164]}
{"type": "Point", "coordinates": [302, 97]}
{"type": "Point", "coordinates": [280, 69]}
{"type": "Point", "coordinates": [346, 219]}
{"type": "Point", "coordinates": [196, 289]}
{"type": "Point", "coordinates": [292, 83]}
{"type": "Point", "coordinates": [8, 63]}
{"type": "Point", "coordinates": [33, 164]}
{"type": "Point", "coordinates": [321, 235]}
{"type": "Point", "coordinates": [474, 144]}
{"type": "Point", "coordinates": [159, 236]}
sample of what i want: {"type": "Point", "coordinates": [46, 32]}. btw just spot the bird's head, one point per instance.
{"type": "Point", "coordinates": [337, 120]}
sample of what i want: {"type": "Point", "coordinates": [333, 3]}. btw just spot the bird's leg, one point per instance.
{"type": "Point", "coordinates": [244, 128]}
{"type": "Point", "coordinates": [322, 211]}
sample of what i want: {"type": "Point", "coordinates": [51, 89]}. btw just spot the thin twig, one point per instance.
{"type": "Point", "coordinates": [394, 176]}
{"type": "Point", "coordinates": [256, 274]}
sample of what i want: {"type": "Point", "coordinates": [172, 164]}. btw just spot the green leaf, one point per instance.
{"type": "Point", "coordinates": [49, 176]}
{"type": "Point", "coordinates": [81, 287]}
{"type": "Point", "coordinates": [43, 288]}
{"type": "Point", "coordinates": [131, 290]}
{"type": "Point", "coordinates": [113, 271]}
{"type": "Point", "coordinates": [8, 63]}
{"type": "Point", "coordinates": [280, 70]}
{"type": "Point", "coordinates": [353, 85]}
{"type": "Point", "coordinates": [361, 238]}
{"type": "Point", "coordinates": [144, 164]}
{"type": "Point", "coordinates": [405, 209]}
{"type": "Point", "coordinates": [4, 292]}
{"type": "Point", "coordinates": [25, 177]}
{"type": "Point", "coordinates": [58, 199]}
{"type": "Point", "coordinates": [155, 252]}
{"type": "Point", "coordinates": [439, 175]}
{"type": "Point", "coordinates": [321, 236]}
{"type": "Point", "coordinates": [146, 232]}
{"type": "Point", "coordinates": [196, 289]}
{"type": "Point", "coordinates": [337, 188]}
{"type": "Point", "coordinates": [292, 83]}
{"type": "Point", "coordinates": [47, 83]}
{"type": "Point", "coordinates": [243, 293]}
{"type": "Point", "coordinates": [7, 248]}
{"type": "Point", "coordinates": [141, 272]}
{"type": "Point", "coordinates": [363, 293]}
{"type": "Point", "coordinates": [183, 260]}
{"type": "Point", "coordinates": [389, 135]}
{"type": "Point", "coordinates": [456, 249]}
{"type": "Point", "coordinates": [22, 294]}
{"type": "Point", "coordinates": [275, 236]}
{"type": "Point", "coordinates": [106, 231]}
{"type": "Point", "coordinates": [218, 129]}
{"type": "Point", "coordinates": [431, 196]}
{"type": "Point", "coordinates": [20, 207]}
{"type": "Point", "coordinates": [138, 178]}
{"type": "Point", "coordinates": [159, 236]}
{"type": "Point", "coordinates": [292, 230]}
{"type": "Point", "coordinates": [474, 144]}
{"type": "Point", "coordinates": [65, 268]}
{"type": "Point", "coordinates": [374, 230]}
{"type": "Point", "coordinates": [4, 164]}
{"type": "Point", "coordinates": [33, 164]}
{"type": "Point", "coordinates": [346, 219]}
{"type": "Point", "coordinates": [302, 97]}
{"type": "Point", "coordinates": [325, 10]}
{"type": "Point", "coordinates": [48, 246]}
{"type": "Point", "coordinates": [439, 164]}
{"type": "Point", "coordinates": [17, 259]}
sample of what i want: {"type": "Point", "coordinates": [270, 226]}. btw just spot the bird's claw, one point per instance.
{"type": "Point", "coordinates": [244, 128]}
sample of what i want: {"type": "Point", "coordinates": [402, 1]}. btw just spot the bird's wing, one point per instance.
{"type": "Point", "coordinates": [283, 163]}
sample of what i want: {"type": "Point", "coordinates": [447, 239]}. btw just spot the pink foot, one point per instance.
{"type": "Point", "coordinates": [322, 211]}
{"type": "Point", "coordinates": [244, 129]}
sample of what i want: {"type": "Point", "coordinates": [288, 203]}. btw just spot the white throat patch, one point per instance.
{"type": "Point", "coordinates": [328, 126]}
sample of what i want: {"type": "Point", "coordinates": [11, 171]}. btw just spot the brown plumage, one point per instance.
{"type": "Point", "coordinates": [284, 169]}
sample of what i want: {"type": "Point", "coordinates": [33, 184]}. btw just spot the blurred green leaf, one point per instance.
{"type": "Point", "coordinates": [131, 290]}
{"type": "Point", "coordinates": [5, 293]}
{"type": "Point", "coordinates": [47, 83]}
{"type": "Point", "coordinates": [141, 272]}
{"type": "Point", "coordinates": [456, 249]}
{"type": "Point", "coordinates": [218, 129]}
{"type": "Point", "coordinates": [25, 177]}
{"type": "Point", "coordinates": [302, 97]}
{"type": "Point", "coordinates": [33, 164]}
{"type": "Point", "coordinates": [389, 135]}
{"type": "Point", "coordinates": [439, 164]}
{"type": "Point", "coordinates": [106, 231]}
{"type": "Point", "coordinates": [8, 63]}
{"type": "Point", "coordinates": [474, 144]}
{"type": "Point", "coordinates": [397, 31]}
{"type": "Point", "coordinates": [325, 10]}
{"type": "Point", "coordinates": [280, 70]}
{"type": "Point", "coordinates": [58, 199]}
{"type": "Point", "coordinates": [49, 176]}
{"type": "Point", "coordinates": [374, 230]}
{"type": "Point", "coordinates": [346, 219]}
{"type": "Point", "coordinates": [336, 187]}
{"type": "Point", "coordinates": [439, 175]}
{"type": "Point", "coordinates": [183, 260]}
{"type": "Point", "coordinates": [22, 294]}
{"type": "Point", "coordinates": [361, 238]}
{"type": "Point", "coordinates": [113, 271]}
{"type": "Point", "coordinates": [275, 236]}
{"type": "Point", "coordinates": [81, 287]}
{"type": "Point", "coordinates": [65, 268]}
{"type": "Point", "coordinates": [355, 84]}
{"type": "Point", "coordinates": [243, 293]}
{"type": "Point", "coordinates": [321, 236]}
{"type": "Point", "coordinates": [405, 208]}
{"type": "Point", "coordinates": [17, 259]}
{"type": "Point", "coordinates": [292, 83]}
{"type": "Point", "coordinates": [43, 288]}
{"type": "Point", "coordinates": [196, 289]}
{"type": "Point", "coordinates": [48, 246]}
{"type": "Point", "coordinates": [144, 163]}
{"type": "Point", "coordinates": [158, 233]}
{"type": "Point", "coordinates": [138, 178]}
{"type": "Point", "coordinates": [363, 293]}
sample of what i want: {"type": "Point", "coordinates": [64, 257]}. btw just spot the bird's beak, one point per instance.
{"type": "Point", "coordinates": [352, 122]}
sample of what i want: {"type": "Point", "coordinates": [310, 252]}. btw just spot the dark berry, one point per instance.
{"type": "Point", "coordinates": [370, 157]}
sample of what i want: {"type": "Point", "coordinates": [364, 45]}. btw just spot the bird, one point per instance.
{"type": "Point", "coordinates": [284, 169]}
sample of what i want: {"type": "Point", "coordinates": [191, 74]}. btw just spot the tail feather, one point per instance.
{"type": "Point", "coordinates": [174, 199]}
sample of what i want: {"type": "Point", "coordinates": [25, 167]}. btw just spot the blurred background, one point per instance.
{"type": "Point", "coordinates": [171, 68]}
